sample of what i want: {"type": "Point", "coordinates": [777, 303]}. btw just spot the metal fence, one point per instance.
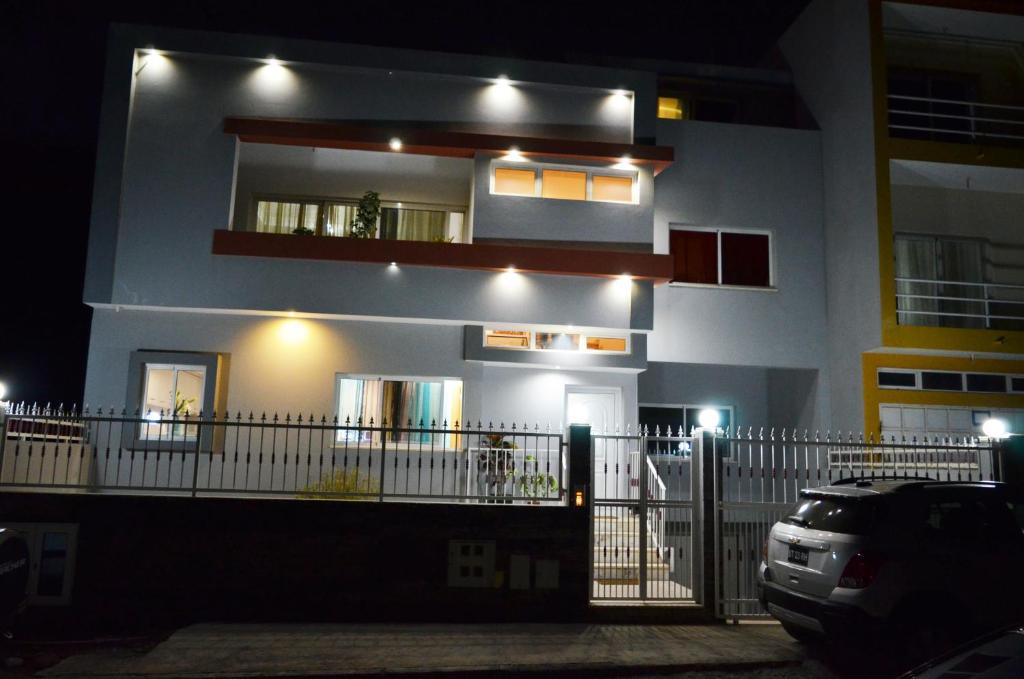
{"type": "Point", "coordinates": [959, 304]}
{"type": "Point", "coordinates": [759, 477]}
{"type": "Point", "coordinates": [51, 450]}
{"type": "Point", "coordinates": [954, 120]}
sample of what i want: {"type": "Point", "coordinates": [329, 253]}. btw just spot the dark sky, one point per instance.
{"type": "Point", "coordinates": [51, 78]}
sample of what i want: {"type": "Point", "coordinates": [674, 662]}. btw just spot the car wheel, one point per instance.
{"type": "Point", "coordinates": [802, 635]}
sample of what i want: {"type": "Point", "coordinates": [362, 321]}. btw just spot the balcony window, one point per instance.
{"type": "Point", "coordinates": [172, 392]}
{"type": "Point", "coordinates": [939, 282]}
{"type": "Point", "coordinates": [610, 185]}
{"type": "Point", "coordinates": [671, 108]}
{"type": "Point", "coordinates": [397, 402]}
{"type": "Point", "coordinates": [274, 216]}
{"type": "Point", "coordinates": [515, 182]}
{"type": "Point", "coordinates": [721, 257]}
{"type": "Point", "coordinates": [409, 224]}
{"type": "Point", "coordinates": [498, 338]}
{"type": "Point", "coordinates": [564, 184]}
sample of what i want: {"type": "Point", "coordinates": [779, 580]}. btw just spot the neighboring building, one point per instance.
{"type": "Point", "coordinates": [558, 242]}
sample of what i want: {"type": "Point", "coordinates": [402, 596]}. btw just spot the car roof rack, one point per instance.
{"type": "Point", "coordinates": [869, 479]}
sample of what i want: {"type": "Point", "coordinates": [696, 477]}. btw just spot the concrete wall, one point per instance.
{"type": "Point", "coordinates": [743, 176]}
{"type": "Point", "coordinates": [760, 397]}
{"type": "Point", "coordinates": [511, 217]}
{"type": "Point", "coordinates": [289, 365]}
{"type": "Point", "coordinates": [265, 169]}
{"type": "Point", "coordinates": [828, 48]}
{"type": "Point", "coordinates": [998, 218]}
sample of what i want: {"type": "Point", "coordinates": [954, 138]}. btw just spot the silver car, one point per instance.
{"type": "Point", "coordinates": [914, 561]}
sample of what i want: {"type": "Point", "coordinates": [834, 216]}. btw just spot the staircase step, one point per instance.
{"type": "Point", "coordinates": [627, 572]}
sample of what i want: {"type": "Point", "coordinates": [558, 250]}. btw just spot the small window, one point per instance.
{"type": "Point", "coordinates": [507, 339]}
{"type": "Point", "coordinates": [558, 341]}
{"type": "Point", "coordinates": [564, 184]}
{"type": "Point", "coordinates": [671, 108]}
{"type": "Point", "coordinates": [893, 379]}
{"type": "Point", "coordinates": [715, 257]}
{"type": "Point", "coordinates": [172, 392]}
{"type": "Point", "coordinates": [1017, 384]}
{"type": "Point", "coordinates": [398, 223]}
{"type": "Point", "coordinates": [606, 343]}
{"type": "Point", "coordinates": [515, 182]}
{"type": "Point", "coordinates": [987, 382]}
{"type": "Point", "coordinates": [937, 381]}
{"type": "Point", "coordinates": [612, 189]}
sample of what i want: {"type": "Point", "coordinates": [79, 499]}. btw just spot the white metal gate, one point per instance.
{"type": "Point", "coordinates": [642, 537]}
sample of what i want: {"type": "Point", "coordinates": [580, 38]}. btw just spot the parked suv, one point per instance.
{"type": "Point", "coordinates": [918, 561]}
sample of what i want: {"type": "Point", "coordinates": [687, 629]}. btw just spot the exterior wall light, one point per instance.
{"type": "Point", "coordinates": [514, 155]}
{"type": "Point", "coordinates": [395, 144]}
{"type": "Point", "coordinates": [393, 266]}
{"type": "Point", "coordinates": [503, 80]}
{"type": "Point", "coordinates": [708, 418]}
{"type": "Point", "coordinates": [3, 391]}
{"type": "Point", "coordinates": [995, 428]}
{"type": "Point", "coordinates": [273, 61]}
{"type": "Point", "coordinates": [578, 499]}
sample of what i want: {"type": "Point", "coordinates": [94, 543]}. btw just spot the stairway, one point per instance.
{"type": "Point", "coordinates": [617, 551]}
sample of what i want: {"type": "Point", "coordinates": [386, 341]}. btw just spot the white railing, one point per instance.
{"type": "Point", "coordinates": [982, 298]}
{"type": "Point", "coordinates": [972, 120]}
{"type": "Point", "coordinates": [656, 489]}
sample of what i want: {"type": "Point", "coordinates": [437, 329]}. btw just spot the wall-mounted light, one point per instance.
{"type": "Point", "coordinates": [273, 61]}
{"type": "Point", "coordinates": [393, 266]}
{"type": "Point", "coordinates": [578, 499]}
{"type": "Point", "coordinates": [514, 155]}
{"type": "Point", "coordinates": [503, 81]}
{"type": "Point", "coordinates": [3, 391]}
{"type": "Point", "coordinates": [624, 163]}
{"type": "Point", "coordinates": [995, 428]}
{"type": "Point", "coordinates": [395, 144]}
{"type": "Point", "coordinates": [709, 418]}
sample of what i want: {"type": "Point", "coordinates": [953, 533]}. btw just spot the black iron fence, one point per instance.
{"type": "Point", "coordinates": [272, 456]}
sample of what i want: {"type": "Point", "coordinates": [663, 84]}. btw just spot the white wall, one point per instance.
{"type": "Point", "coordinates": [745, 177]}
{"type": "Point", "coordinates": [828, 49]}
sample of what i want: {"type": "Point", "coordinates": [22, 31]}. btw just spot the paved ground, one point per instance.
{"type": "Point", "coordinates": [757, 651]}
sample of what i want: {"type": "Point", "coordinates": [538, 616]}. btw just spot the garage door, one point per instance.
{"type": "Point", "coordinates": [908, 422]}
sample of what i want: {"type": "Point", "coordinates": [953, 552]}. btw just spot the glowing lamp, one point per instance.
{"type": "Point", "coordinates": [395, 144]}
{"type": "Point", "coordinates": [994, 428]}
{"type": "Point", "coordinates": [708, 418]}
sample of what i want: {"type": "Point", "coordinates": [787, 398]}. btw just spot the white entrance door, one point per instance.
{"type": "Point", "coordinates": [600, 407]}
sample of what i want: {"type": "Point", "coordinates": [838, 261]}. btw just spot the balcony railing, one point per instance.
{"type": "Point", "coordinates": [50, 450]}
{"type": "Point", "coordinates": [954, 120]}
{"type": "Point", "coordinates": [961, 304]}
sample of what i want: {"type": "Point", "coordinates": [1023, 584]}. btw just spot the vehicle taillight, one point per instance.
{"type": "Point", "coordinates": [861, 570]}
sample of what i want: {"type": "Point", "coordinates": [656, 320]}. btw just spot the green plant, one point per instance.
{"type": "Point", "coordinates": [302, 231]}
{"type": "Point", "coordinates": [442, 239]}
{"type": "Point", "coordinates": [536, 484]}
{"type": "Point", "coordinates": [342, 484]}
{"type": "Point", "coordinates": [367, 211]}
{"type": "Point", "coordinates": [182, 405]}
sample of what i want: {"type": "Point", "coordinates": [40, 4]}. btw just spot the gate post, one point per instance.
{"type": "Point", "coordinates": [704, 477]}
{"type": "Point", "coordinates": [580, 481]}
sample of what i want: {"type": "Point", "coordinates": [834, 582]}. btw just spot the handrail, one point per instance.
{"type": "Point", "coordinates": [902, 279]}
{"type": "Point", "coordinates": [1010, 313]}
{"type": "Point", "coordinates": [955, 101]}
{"type": "Point", "coordinates": [980, 119]}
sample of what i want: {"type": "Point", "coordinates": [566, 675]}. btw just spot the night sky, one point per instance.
{"type": "Point", "coordinates": [52, 76]}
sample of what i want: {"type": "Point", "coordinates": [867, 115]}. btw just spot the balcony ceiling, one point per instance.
{"type": "Point", "coordinates": [431, 142]}
{"type": "Point", "coordinates": [953, 176]}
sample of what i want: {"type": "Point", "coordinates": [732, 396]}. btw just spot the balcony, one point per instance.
{"type": "Point", "coordinates": [959, 304]}
{"type": "Point", "coordinates": [954, 120]}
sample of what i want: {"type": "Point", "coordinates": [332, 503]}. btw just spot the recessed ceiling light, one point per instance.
{"type": "Point", "coordinates": [395, 144]}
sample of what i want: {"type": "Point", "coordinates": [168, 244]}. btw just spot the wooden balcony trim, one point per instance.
{"type": "Point", "coordinates": [525, 259]}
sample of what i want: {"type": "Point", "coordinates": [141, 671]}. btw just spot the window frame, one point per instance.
{"type": "Point", "coordinates": [919, 384]}
{"type": "Point", "coordinates": [337, 442]}
{"type": "Point", "coordinates": [584, 335]}
{"type": "Point", "coordinates": [175, 368]}
{"type": "Point", "coordinates": [905, 371]}
{"type": "Point", "coordinates": [590, 171]}
{"type": "Point", "coordinates": [719, 230]}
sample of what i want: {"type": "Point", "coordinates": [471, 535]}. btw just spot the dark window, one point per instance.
{"type": "Point", "coordinates": [716, 110]}
{"type": "Point", "coordinates": [897, 379]}
{"type": "Point", "coordinates": [745, 259]}
{"type": "Point", "coordinates": [942, 381]}
{"type": "Point", "coordinates": [986, 382]}
{"type": "Point", "coordinates": [694, 255]}
{"type": "Point", "coordinates": [661, 419]}
{"type": "Point", "coordinates": [52, 562]}
{"type": "Point", "coordinates": [1017, 384]}
{"type": "Point", "coordinates": [835, 514]}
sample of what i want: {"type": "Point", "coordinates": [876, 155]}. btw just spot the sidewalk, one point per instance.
{"type": "Point", "coordinates": [220, 650]}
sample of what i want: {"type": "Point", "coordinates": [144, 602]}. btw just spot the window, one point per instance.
{"type": "Point", "coordinates": [334, 218]}
{"type": "Point", "coordinates": [898, 379]}
{"type": "Point", "coordinates": [941, 381]}
{"type": "Point", "coordinates": [52, 550]}
{"type": "Point", "coordinates": [564, 184]}
{"type": "Point", "coordinates": [718, 257]}
{"type": "Point", "coordinates": [172, 392]}
{"type": "Point", "coordinates": [986, 382]}
{"type": "Point", "coordinates": [397, 401]}
{"type": "Point", "coordinates": [513, 182]}
{"type": "Point", "coordinates": [557, 341]}
{"type": "Point", "coordinates": [507, 339]}
{"type": "Point", "coordinates": [609, 185]}
{"type": "Point", "coordinates": [606, 343]}
{"type": "Point", "coordinates": [1017, 384]}
{"type": "Point", "coordinates": [671, 108]}
{"type": "Point", "coordinates": [612, 189]}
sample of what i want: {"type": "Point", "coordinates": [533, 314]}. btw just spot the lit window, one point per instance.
{"type": "Point", "coordinates": [717, 257]}
{"type": "Point", "coordinates": [614, 189]}
{"type": "Point", "coordinates": [172, 392]}
{"type": "Point", "coordinates": [508, 339]}
{"type": "Point", "coordinates": [564, 184]}
{"type": "Point", "coordinates": [606, 343]}
{"type": "Point", "coordinates": [515, 182]}
{"type": "Point", "coordinates": [558, 341]}
{"type": "Point", "coordinates": [274, 216]}
{"type": "Point", "coordinates": [670, 108]}
{"type": "Point", "coordinates": [397, 402]}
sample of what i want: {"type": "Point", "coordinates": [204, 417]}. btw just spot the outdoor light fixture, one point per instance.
{"type": "Point", "coordinates": [708, 418]}
{"type": "Point", "coordinates": [510, 269]}
{"type": "Point", "coordinates": [395, 144]}
{"type": "Point", "coordinates": [502, 80]}
{"type": "Point", "coordinates": [393, 266]}
{"type": "Point", "coordinates": [513, 155]}
{"type": "Point", "coordinates": [3, 391]}
{"type": "Point", "coordinates": [273, 61]}
{"type": "Point", "coordinates": [578, 499]}
{"type": "Point", "coordinates": [995, 428]}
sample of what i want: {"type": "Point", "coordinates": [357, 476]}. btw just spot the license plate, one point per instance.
{"type": "Point", "coordinates": [798, 555]}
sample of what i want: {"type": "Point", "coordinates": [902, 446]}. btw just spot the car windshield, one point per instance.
{"type": "Point", "coordinates": [834, 514]}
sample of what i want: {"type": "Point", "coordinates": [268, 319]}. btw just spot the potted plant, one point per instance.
{"type": "Point", "coordinates": [535, 484]}
{"type": "Point", "coordinates": [495, 466]}
{"type": "Point", "coordinates": [302, 231]}
{"type": "Point", "coordinates": [364, 224]}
